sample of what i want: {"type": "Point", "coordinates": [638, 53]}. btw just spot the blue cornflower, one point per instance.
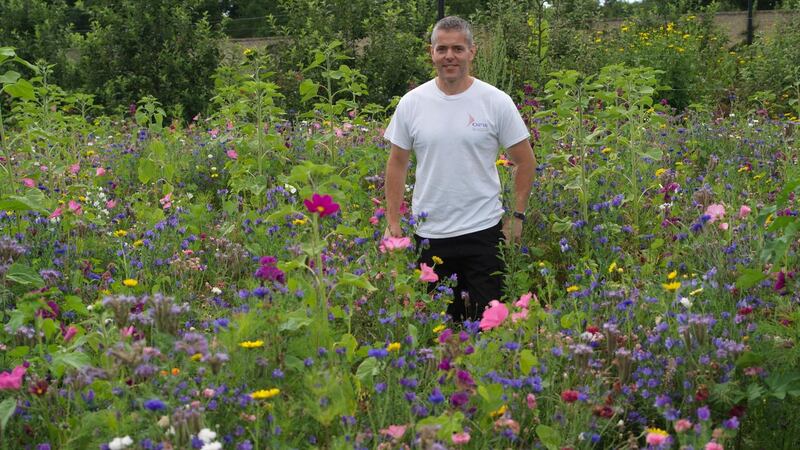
{"type": "Point", "coordinates": [155, 405]}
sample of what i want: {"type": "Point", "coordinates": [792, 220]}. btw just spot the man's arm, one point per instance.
{"type": "Point", "coordinates": [394, 186]}
{"type": "Point", "coordinates": [521, 155]}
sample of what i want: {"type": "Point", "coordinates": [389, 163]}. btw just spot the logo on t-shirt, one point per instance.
{"type": "Point", "coordinates": [475, 125]}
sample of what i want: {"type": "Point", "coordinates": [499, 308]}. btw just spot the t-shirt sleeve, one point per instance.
{"type": "Point", "coordinates": [397, 132]}
{"type": "Point", "coordinates": [512, 128]}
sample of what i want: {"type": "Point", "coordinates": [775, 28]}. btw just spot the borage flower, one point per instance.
{"type": "Point", "coordinates": [321, 204]}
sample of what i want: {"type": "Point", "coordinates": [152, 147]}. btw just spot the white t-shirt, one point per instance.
{"type": "Point", "coordinates": [456, 140]}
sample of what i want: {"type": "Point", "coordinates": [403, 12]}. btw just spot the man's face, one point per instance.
{"type": "Point", "coordinates": [452, 55]}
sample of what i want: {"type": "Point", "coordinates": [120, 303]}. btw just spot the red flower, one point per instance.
{"type": "Point", "coordinates": [569, 396]}
{"type": "Point", "coordinates": [321, 204]}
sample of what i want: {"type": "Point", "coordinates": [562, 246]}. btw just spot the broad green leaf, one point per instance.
{"type": "Point", "coordinates": [350, 343]}
{"type": "Point", "coordinates": [296, 320]}
{"type": "Point", "coordinates": [750, 278]}
{"type": "Point", "coordinates": [21, 89]}
{"type": "Point", "coordinates": [527, 360]}
{"type": "Point", "coordinates": [9, 77]}
{"type": "Point", "coordinates": [76, 360]}
{"type": "Point", "coordinates": [18, 352]}
{"type": "Point", "coordinates": [33, 200]}
{"type": "Point", "coordinates": [749, 359]}
{"type": "Point", "coordinates": [549, 436]}
{"type": "Point", "coordinates": [366, 370]}
{"type": "Point", "coordinates": [349, 279]}
{"type": "Point", "coordinates": [147, 170]}
{"type": "Point", "coordinates": [308, 90]}
{"type": "Point", "coordinates": [7, 408]}
{"type": "Point", "coordinates": [24, 275]}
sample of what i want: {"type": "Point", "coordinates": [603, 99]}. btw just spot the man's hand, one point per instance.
{"type": "Point", "coordinates": [512, 229]}
{"type": "Point", "coordinates": [393, 231]}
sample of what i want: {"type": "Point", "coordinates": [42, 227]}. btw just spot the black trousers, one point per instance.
{"type": "Point", "coordinates": [475, 260]}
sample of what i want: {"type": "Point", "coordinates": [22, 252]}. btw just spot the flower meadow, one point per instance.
{"type": "Point", "coordinates": [224, 283]}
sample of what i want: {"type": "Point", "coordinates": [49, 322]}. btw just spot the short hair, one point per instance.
{"type": "Point", "coordinates": [453, 23]}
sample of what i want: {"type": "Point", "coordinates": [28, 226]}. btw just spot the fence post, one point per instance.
{"type": "Point", "coordinates": [440, 14]}
{"type": "Point", "coordinates": [749, 22]}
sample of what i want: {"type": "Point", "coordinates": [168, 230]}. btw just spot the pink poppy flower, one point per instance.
{"type": "Point", "coordinates": [494, 315]}
{"type": "Point", "coordinates": [683, 425]}
{"type": "Point", "coordinates": [28, 182]}
{"type": "Point", "coordinates": [321, 204]}
{"type": "Point", "coordinates": [56, 213]}
{"type": "Point", "coordinates": [232, 154]}
{"type": "Point", "coordinates": [744, 211]}
{"type": "Point", "coordinates": [517, 316]}
{"type": "Point", "coordinates": [524, 300]}
{"type": "Point", "coordinates": [75, 168]}
{"type": "Point", "coordinates": [12, 380]}
{"type": "Point", "coordinates": [713, 446]}
{"type": "Point", "coordinates": [427, 274]}
{"type": "Point", "coordinates": [391, 244]}
{"type": "Point", "coordinates": [394, 431]}
{"type": "Point", "coordinates": [460, 438]}
{"type": "Point", "coordinates": [99, 172]}
{"type": "Point", "coordinates": [75, 207]}
{"type": "Point", "coordinates": [716, 211]}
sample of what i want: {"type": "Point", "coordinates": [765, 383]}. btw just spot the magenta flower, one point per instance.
{"type": "Point", "coordinates": [744, 211]}
{"type": "Point", "coordinates": [99, 172]}
{"type": "Point", "coordinates": [494, 315]}
{"type": "Point", "coordinates": [75, 207]}
{"type": "Point", "coordinates": [12, 380]}
{"type": "Point", "coordinates": [427, 274]}
{"type": "Point", "coordinates": [321, 204]}
{"type": "Point", "coordinates": [28, 182]}
{"type": "Point", "coordinates": [460, 438]}
{"type": "Point", "coordinates": [232, 154]}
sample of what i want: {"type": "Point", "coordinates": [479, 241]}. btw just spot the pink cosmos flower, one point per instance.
{"type": "Point", "coordinates": [12, 380]}
{"type": "Point", "coordinates": [166, 202]}
{"type": "Point", "coordinates": [520, 315]}
{"type": "Point", "coordinates": [111, 204]}
{"type": "Point", "coordinates": [57, 213]}
{"type": "Point", "coordinates": [531, 401]}
{"type": "Point", "coordinates": [391, 244]}
{"type": "Point", "coordinates": [683, 425]}
{"type": "Point", "coordinates": [321, 204]}
{"type": "Point", "coordinates": [524, 300]}
{"type": "Point", "coordinates": [28, 182]}
{"type": "Point", "coordinates": [716, 211]}
{"type": "Point", "coordinates": [494, 315]}
{"type": "Point", "coordinates": [394, 431]}
{"type": "Point", "coordinates": [374, 220]}
{"type": "Point", "coordinates": [656, 439]}
{"type": "Point", "coordinates": [75, 207]}
{"type": "Point", "coordinates": [208, 393]}
{"type": "Point", "coordinates": [713, 446]}
{"type": "Point", "coordinates": [427, 275]}
{"type": "Point", "coordinates": [460, 438]}
{"type": "Point", "coordinates": [75, 168]}
{"type": "Point", "coordinates": [232, 154]}
{"type": "Point", "coordinates": [99, 172]}
{"type": "Point", "coordinates": [744, 211]}
{"type": "Point", "coordinates": [723, 226]}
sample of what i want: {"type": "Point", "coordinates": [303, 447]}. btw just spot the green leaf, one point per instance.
{"type": "Point", "coordinates": [561, 227]}
{"type": "Point", "coordinates": [527, 360]}
{"type": "Point", "coordinates": [19, 352]}
{"type": "Point", "coordinates": [21, 89]}
{"type": "Point", "coordinates": [296, 320]}
{"type": "Point", "coordinates": [350, 343]}
{"type": "Point", "coordinates": [33, 200]}
{"type": "Point", "coordinates": [412, 331]}
{"type": "Point", "coordinates": [549, 436]}
{"type": "Point", "coordinates": [7, 409]}
{"type": "Point", "coordinates": [77, 360]}
{"type": "Point", "coordinates": [349, 279]}
{"type": "Point", "coordinates": [749, 359]}
{"type": "Point", "coordinates": [50, 328]}
{"type": "Point", "coordinates": [367, 370]}
{"type": "Point", "coordinates": [9, 77]}
{"type": "Point", "coordinates": [24, 275]}
{"type": "Point", "coordinates": [75, 304]}
{"type": "Point", "coordinates": [750, 278]}
{"type": "Point", "coordinates": [308, 90]}
{"type": "Point", "coordinates": [146, 170]}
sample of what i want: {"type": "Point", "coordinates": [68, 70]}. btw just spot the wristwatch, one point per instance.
{"type": "Point", "coordinates": [519, 215]}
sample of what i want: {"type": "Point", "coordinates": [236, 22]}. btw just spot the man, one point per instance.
{"type": "Point", "coordinates": [456, 125]}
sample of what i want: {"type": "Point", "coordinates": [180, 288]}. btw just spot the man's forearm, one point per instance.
{"type": "Point", "coordinates": [523, 183]}
{"type": "Point", "coordinates": [394, 187]}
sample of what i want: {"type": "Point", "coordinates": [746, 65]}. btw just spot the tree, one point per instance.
{"type": "Point", "coordinates": [165, 48]}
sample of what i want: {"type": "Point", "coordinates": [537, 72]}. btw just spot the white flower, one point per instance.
{"type": "Point", "coordinates": [290, 188]}
{"type": "Point", "coordinates": [206, 436]}
{"type": "Point", "coordinates": [211, 446]}
{"type": "Point", "coordinates": [686, 302]}
{"type": "Point", "coordinates": [216, 291]}
{"type": "Point", "coordinates": [120, 443]}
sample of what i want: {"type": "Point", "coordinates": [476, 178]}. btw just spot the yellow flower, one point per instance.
{"type": "Point", "coordinates": [672, 275]}
{"type": "Point", "coordinates": [674, 286]}
{"type": "Point", "coordinates": [657, 431]}
{"type": "Point", "coordinates": [696, 291]}
{"type": "Point", "coordinates": [437, 260]}
{"type": "Point", "coordinates": [660, 172]}
{"type": "Point", "coordinates": [607, 150]}
{"type": "Point", "coordinates": [299, 221]}
{"type": "Point", "coordinates": [120, 233]}
{"type": "Point", "coordinates": [612, 267]}
{"type": "Point", "coordinates": [251, 344]}
{"type": "Point", "coordinates": [175, 371]}
{"type": "Point", "coordinates": [197, 357]}
{"type": "Point", "coordinates": [499, 412]}
{"type": "Point", "coordinates": [502, 162]}
{"type": "Point", "coordinates": [89, 152]}
{"type": "Point", "coordinates": [624, 29]}
{"type": "Point", "coordinates": [686, 36]}
{"type": "Point", "coordinates": [439, 328]}
{"type": "Point", "coordinates": [248, 51]}
{"type": "Point", "coordinates": [393, 347]}
{"type": "Point", "coordinates": [572, 289]}
{"type": "Point", "coordinates": [138, 243]}
{"type": "Point", "coordinates": [130, 282]}
{"type": "Point", "coordinates": [265, 394]}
